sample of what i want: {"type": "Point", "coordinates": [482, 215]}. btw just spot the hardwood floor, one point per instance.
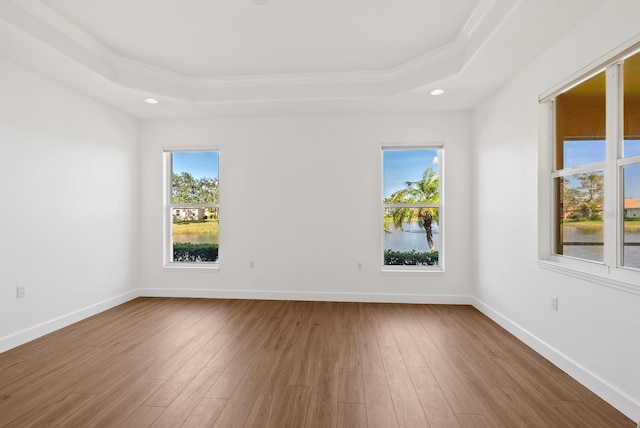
{"type": "Point", "coordinates": [156, 362]}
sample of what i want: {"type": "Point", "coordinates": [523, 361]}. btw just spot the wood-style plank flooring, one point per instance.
{"type": "Point", "coordinates": [156, 362]}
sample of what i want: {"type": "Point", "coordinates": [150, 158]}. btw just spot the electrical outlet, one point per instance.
{"type": "Point", "coordinates": [252, 264]}
{"type": "Point", "coordinates": [554, 303]}
{"type": "Point", "coordinates": [20, 291]}
{"type": "Point", "coordinates": [359, 265]}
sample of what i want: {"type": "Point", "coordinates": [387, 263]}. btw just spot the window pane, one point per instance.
{"type": "Point", "coordinates": [195, 178]}
{"type": "Point", "coordinates": [631, 248]}
{"type": "Point", "coordinates": [579, 153]}
{"type": "Point", "coordinates": [400, 167]}
{"type": "Point", "coordinates": [580, 225]}
{"type": "Point", "coordinates": [194, 234]}
{"type": "Point", "coordinates": [411, 236]}
{"type": "Point", "coordinates": [631, 148]}
{"type": "Point", "coordinates": [632, 106]}
{"type": "Point", "coordinates": [580, 124]}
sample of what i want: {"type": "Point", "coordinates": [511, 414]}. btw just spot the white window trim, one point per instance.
{"type": "Point", "coordinates": [440, 268]}
{"type": "Point", "coordinates": [609, 273]}
{"type": "Point", "coordinates": [167, 251]}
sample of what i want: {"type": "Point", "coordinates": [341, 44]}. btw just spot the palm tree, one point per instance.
{"type": "Point", "coordinates": [424, 191]}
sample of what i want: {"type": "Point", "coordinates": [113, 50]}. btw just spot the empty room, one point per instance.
{"type": "Point", "coordinates": [279, 213]}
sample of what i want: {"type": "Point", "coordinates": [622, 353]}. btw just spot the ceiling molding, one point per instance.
{"type": "Point", "coordinates": [499, 19]}
{"type": "Point", "coordinates": [39, 21]}
{"type": "Point", "coordinates": [472, 66]}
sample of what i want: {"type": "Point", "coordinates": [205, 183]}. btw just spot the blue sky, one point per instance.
{"type": "Point", "coordinates": [400, 166]}
{"type": "Point", "coordinates": [579, 153]}
{"type": "Point", "coordinates": [632, 181]}
{"type": "Point", "coordinates": [198, 164]}
{"type": "Point", "coordinates": [631, 148]}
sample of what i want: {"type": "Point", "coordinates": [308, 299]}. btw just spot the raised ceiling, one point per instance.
{"type": "Point", "coordinates": [205, 38]}
{"type": "Point", "coordinates": [207, 57]}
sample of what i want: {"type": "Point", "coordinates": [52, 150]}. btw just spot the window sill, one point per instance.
{"type": "Point", "coordinates": [626, 281]}
{"type": "Point", "coordinates": [386, 270]}
{"type": "Point", "coordinates": [191, 267]}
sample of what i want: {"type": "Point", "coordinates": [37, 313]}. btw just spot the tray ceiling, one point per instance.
{"type": "Point", "coordinates": [203, 57]}
{"type": "Point", "coordinates": [201, 38]}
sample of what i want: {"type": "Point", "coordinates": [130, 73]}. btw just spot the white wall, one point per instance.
{"type": "Point", "coordinates": [595, 335]}
{"type": "Point", "coordinates": [69, 216]}
{"type": "Point", "coordinates": [71, 213]}
{"type": "Point", "coordinates": [300, 196]}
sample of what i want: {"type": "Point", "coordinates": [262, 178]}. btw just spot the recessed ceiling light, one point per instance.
{"type": "Point", "coordinates": [437, 92]}
{"type": "Point", "coordinates": [151, 101]}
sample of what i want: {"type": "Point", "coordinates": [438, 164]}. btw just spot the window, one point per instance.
{"type": "Point", "coordinates": [629, 163]}
{"type": "Point", "coordinates": [412, 209]}
{"type": "Point", "coordinates": [191, 207]}
{"type": "Point", "coordinates": [579, 170]}
{"type": "Point", "coordinates": [595, 168]}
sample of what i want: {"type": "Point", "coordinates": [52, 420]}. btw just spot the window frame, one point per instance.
{"type": "Point", "coordinates": [169, 206]}
{"type": "Point", "coordinates": [560, 172]}
{"type": "Point", "coordinates": [610, 272]}
{"type": "Point", "coordinates": [440, 267]}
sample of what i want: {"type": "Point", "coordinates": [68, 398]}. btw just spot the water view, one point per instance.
{"type": "Point", "coordinates": [412, 238]}
{"type": "Point", "coordinates": [593, 237]}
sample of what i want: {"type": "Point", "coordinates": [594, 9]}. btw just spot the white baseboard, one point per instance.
{"type": "Point", "coordinates": [47, 327]}
{"type": "Point", "coordinates": [626, 404]}
{"type": "Point", "coordinates": [29, 334]}
{"type": "Point", "coordinates": [308, 296]}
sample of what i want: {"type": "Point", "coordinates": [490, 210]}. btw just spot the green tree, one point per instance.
{"type": "Point", "coordinates": [571, 198]}
{"type": "Point", "coordinates": [424, 191]}
{"type": "Point", "coordinates": [592, 188]}
{"type": "Point", "coordinates": [584, 199]}
{"type": "Point", "coordinates": [187, 189]}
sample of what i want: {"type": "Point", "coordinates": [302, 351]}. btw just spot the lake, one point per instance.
{"type": "Point", "coordinates": [412, 238]}
{"type": "Point", "coordinates": [595, 252]}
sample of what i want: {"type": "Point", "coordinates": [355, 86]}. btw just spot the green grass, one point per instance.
{"type": "Point", "coordinates": [200, 227]}
{"type": "Point", "coordinates": [587, 224]}
{"type": "Point", "coordinates": [389, 219]}
{"type": "Point", "coordinates": [629, 225]}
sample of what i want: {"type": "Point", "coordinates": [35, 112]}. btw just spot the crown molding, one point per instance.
{"type": "Point", "coordinates": [37, 20]}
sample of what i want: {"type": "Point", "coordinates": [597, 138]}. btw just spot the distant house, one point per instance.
{"type": "Point", "coordinates": [188, 214]}
{"type": "Point", "coordinates": [632, 207]}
